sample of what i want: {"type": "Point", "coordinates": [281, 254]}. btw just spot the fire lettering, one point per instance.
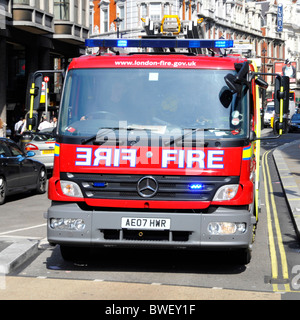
{"type": "Point", "coordinates": [114, 157]}
{"type": "Point", "coordinates": [85, 157]}
{"type": "Point", "coordinates": [214, 158]}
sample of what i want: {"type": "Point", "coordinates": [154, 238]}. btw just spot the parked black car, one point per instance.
{"type": "Point", "coordinates": [19, 173]}
{"type": "Point", "coordinates": [295, 122]}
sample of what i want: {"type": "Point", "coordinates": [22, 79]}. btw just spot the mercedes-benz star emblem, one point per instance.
{"type": "Point", "coordinates": [147, 187]}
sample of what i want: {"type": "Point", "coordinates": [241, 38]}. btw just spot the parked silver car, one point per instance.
{"type": "Point", "coordinates": [42, 144]}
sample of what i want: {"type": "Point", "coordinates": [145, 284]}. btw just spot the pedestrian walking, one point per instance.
{"type": "Point", "coordinates": [54, 122]}
{"type": "Point", "coordinates": [2, 127]}
{"type": "Point", "coordinates": [18, 124]}
{"type": "Point", "coordinates": [44, 124]}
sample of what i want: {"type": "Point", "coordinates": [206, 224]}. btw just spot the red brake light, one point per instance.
{"type": "Point", "coordinates": [31, 147]}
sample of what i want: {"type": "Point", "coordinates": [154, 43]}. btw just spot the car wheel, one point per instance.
{"type": "Point", "coordinates": [3, 190]}
{"type": "Point", "coordinates": [75, 254]}
{"type": "Point", "coordinates": [42, 181]}
{"type": "Point", "coordinates": [242, 256]}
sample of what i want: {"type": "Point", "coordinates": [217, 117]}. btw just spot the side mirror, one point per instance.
{"type": "Point", "coordinates": [230, 81]}
{"type": "Point", "coordinates": [235, 83]}
{"type": "Point", "coordinates": [261, 83]}
{"type": "Point", "coordinates": [30, 154]}
{"type": "Point", "coordinates": [281, 95]}
{"type": "Point", "coordinates": [225, 97]}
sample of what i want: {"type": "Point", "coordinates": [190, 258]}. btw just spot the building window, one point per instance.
{"type": "Point", "coordinates": [155, 11]}
{"type": "Point", "coordinates": [83, 12]}
{"type": "Point", "coordinates": [144, 12]}
{"type": "Point", "coordinates": [62, 10]}
{"type": "Point", "coordinates": [21, 1]}
{"type": "Point", "coordinates": [76, 16]}
{"type": "Point", "coordinates": [91, 17]}
{"type": "Point", "coordinates": [46, 6]}
{"type": "Point", "coordinates": [104, 20]}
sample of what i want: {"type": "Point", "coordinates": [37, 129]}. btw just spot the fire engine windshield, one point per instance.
{"type": "Point", "coordinates": [172, 103]}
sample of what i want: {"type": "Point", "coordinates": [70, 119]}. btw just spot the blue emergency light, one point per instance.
{"type": "Point", "coordinates": [196, 186]}
{"type": "Point", "coordinates": [159, 43]}
{"type": "Point", "coordinates": [99, 184]}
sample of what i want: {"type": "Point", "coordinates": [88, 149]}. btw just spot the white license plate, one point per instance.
{"type": "Point", "coordinates": [146, 223]}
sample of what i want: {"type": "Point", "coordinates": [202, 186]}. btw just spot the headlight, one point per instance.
{"type": "Point", "coordinates": [226, 192]}
{"type": "Point", "coordinates": [71, 189]}
{"type": "Point", "coordinates": [67, 224]}
{"type": "Point", "coordinates": [219, 228]}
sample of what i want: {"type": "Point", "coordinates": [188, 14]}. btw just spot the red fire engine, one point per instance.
{"type": "Point", "coordinates": [158, 149]}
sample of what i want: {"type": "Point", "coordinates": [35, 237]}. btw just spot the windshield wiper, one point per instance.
{"type": "Point", "coordinates": [108, 130]}
{"type": "Point", "coordinates": [193, 130]}
{"type": "Point", "coordinates": [94, 136]}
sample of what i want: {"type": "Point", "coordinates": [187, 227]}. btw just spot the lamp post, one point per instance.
{"type": "Point", "coordinates": [118, 21]}
{"type": "Point", "coordinates": [264, 51]}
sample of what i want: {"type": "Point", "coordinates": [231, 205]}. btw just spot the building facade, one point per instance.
{"type": "Point", "coordinates": [252, 22]}
{"type": "Point", "coordinates": [36, 35]}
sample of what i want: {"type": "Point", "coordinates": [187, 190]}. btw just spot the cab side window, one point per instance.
{"type": "Point", "coordinates": [4, 150]}
{"type": "Point", "coordinates": [15, 150]}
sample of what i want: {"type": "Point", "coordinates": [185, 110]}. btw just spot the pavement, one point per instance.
{"type": "Point", "coordinates": [14, 252]}
{"type": "Point", "coordinates": [287, 159]}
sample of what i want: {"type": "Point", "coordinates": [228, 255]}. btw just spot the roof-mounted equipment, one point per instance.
{"type": "Point", "coordinates": [159, 43]}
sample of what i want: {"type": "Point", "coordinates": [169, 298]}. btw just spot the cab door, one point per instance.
{"type": "Point", "coordinates": [27, 168]}
{"type": "Point", "coordinates": [9, 167]}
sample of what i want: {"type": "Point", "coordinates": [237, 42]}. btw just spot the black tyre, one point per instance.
{"type": "Point", "coordinates": [42, 181]}
{"type": "Point", "coordinates": [3, 190]}
{"type": "Point", "coordinates": [243, 256]}
{"type": "Point", "coordinates": [74, 254]}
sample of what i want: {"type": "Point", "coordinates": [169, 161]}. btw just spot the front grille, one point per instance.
{"type": "Point", "coordinates": [146, 235]}
{"type": "Point", "coordinates": [175, 188]}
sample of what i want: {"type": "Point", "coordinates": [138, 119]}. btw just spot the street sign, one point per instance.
{"type": "Point", "coordinates": [46, 79]}
{"type": "Point", "coordinates": [280, 18]}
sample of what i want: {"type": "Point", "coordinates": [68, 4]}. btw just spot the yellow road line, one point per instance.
{"type": "Point", "coordinates": [284, 265]}
{"type": "Point", "coordinates": [274, 265]}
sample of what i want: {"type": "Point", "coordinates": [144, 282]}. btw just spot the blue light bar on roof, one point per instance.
{"type": "Point", "coordinates": [158, 43]}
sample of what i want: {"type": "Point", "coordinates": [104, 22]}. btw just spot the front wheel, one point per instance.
{"type": "Point", "coordinates": [243, 256]}
{"type": "Point", "coordinates": [74, 253]}
{"type": "Point", "coordinates": [42, 181]}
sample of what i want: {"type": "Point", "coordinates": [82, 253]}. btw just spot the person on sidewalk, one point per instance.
{"type": "Point", "coordinates": [44, 124]}
{"type": "Point", "coordinates": [2, 127]}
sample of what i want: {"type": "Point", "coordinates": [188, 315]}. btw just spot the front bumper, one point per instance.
{"type": "Point", "coordinates": [267, 121]}
{"type": "Point", "coordinates": [187, 230]}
